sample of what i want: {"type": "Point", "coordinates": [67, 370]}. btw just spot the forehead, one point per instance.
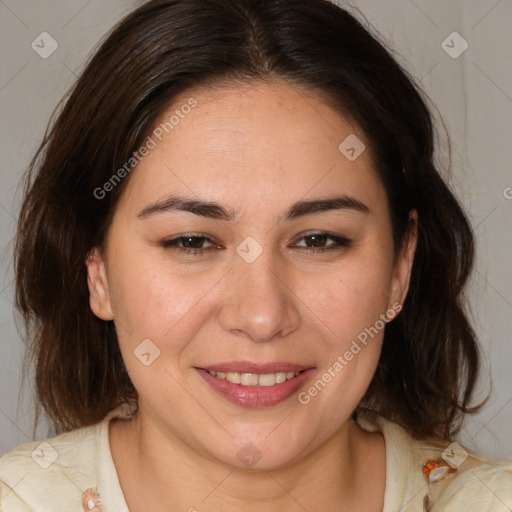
{"type": "Point", "coordinates": [253, 141]}
{"type": "Point", "coordinates": [278, 115]}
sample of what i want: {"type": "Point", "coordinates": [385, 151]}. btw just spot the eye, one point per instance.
{"type": "Point", "coordinates": [316, 242]}
{"type": "Point", "coordinates": [194, 244]}
{"type": "Point", "coordinates": [190, 244]}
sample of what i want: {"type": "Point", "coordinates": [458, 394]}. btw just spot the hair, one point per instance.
{"type": "Point", "coordinates": [429, 364]}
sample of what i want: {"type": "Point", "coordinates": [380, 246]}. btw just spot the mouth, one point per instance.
{"type": "Point", "coordinates": [249, 385]}
{"type": "Point", "coordinates": [255, 379]}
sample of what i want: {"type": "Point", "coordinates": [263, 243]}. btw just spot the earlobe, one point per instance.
{"type": "Point", "coordinates": [99, 297]}
{"type": "Point", "coordinates": [403, 266]}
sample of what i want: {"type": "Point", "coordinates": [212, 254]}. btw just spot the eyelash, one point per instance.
{"type": "Point", "coordinates": [340, 242]}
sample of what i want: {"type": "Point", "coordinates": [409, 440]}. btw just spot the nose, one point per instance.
{"type": "Point", "coordinates": [259, 301]}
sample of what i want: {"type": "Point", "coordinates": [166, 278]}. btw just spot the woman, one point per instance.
{"type": "Point", "coordinates": [242, 275]}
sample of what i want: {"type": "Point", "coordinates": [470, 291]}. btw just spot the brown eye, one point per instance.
{"type": "Point", "coordinates": [189, 244]}
{"type": "Point", "coordinates": [318, 241]}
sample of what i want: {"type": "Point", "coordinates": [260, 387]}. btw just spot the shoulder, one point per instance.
{"type": "Point", "coordinates": [457, 478]}
{"type": "Point", "coordinates": [439, 476]}
{"type": "Point", "coordinates": [479, 483]}
{"type": "Point", "coordinates": [55, 471]}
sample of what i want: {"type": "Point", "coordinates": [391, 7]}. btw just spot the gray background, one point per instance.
{"type": "Point", "coordinates": [473, 93]}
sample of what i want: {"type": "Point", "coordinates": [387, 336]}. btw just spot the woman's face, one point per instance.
{"type": "Point", "coordinates": [258, 295]}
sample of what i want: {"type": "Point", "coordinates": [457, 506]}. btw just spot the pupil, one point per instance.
{"type": "Point", "coordinates": [196, 239]}
{"type": "Point", "coordinates": [317, 240]}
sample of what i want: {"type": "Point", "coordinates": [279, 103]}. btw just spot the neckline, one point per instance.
{"type": "Point", "coordinates": [399, 469]}
{"type": "Point", "coordinates": [108, 485]}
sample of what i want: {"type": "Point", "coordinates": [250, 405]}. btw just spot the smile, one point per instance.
{"type": "Point", "coordinates": [255, 379]}
{"type": "Point", "coordinates": [252, 389]}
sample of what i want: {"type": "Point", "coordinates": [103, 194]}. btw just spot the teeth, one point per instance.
{"type": "Point", "coordinates": [255, 379]}
{"type": "Point", "coordinates": [233, 377]}
{"type": "Point", "coordinates": [249, 379]}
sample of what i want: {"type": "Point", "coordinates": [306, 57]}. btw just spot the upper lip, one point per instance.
{"type": "Point", "coordinates": [250, 367]}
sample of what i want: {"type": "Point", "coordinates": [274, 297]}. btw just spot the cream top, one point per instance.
{"type": "Point", "coordinates": [75, 472]}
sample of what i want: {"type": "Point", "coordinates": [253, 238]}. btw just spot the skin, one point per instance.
{"type": "Point", "coordinates": [255, 149]}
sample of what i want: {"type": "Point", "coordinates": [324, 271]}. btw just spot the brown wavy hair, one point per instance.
{"type": "Point", "coordinates": [429, 364]}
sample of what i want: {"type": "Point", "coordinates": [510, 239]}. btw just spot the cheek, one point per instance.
{"type": "Point", "coordinates": [151, 302]}
{"type": "Point", "coordinates": [350, 303]}
{"type": "Point", "coordinates": [156, 316]}
{"type": "Point", "coordinates": [350, 312]}
{"type": "Point", "coordinates": [147, 296]}
{"type": "Point", "coordinates": [353, 297]}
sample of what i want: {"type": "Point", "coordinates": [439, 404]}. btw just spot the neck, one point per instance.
{"type": "Point", "coordinates": [158, 471]}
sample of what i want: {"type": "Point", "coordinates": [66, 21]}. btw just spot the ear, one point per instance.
{"type": "Point", "coordinates": [99, 297]}
{"type": "Point", "coordinates": [403, 264]}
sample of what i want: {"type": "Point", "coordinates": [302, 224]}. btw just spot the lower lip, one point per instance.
{"type": "Point", "coordinates": [255, 396]}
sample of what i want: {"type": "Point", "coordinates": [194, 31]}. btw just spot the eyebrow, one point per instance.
{"type": "Point", "coordinates": [216, 211]}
